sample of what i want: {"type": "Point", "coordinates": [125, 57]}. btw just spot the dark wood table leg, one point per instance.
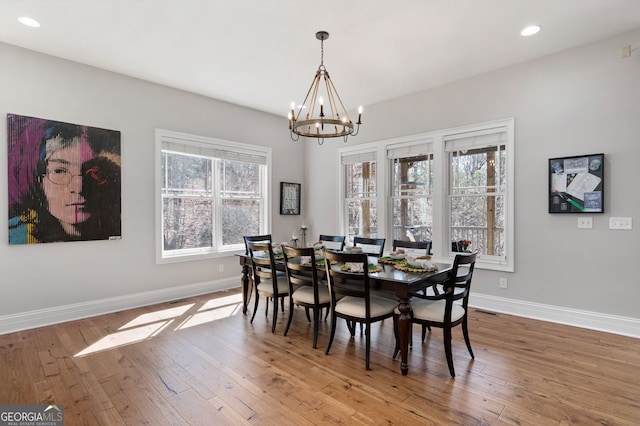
{"type": "Point", "coordinates": [404, 330]}
{"type": "Point", "coordinates": [245, 285]}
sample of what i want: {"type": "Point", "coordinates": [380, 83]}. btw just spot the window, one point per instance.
{"type": "Point", "coordinates": [477, 192]}
{"type": "Point", "coordinates": [212, 193]}
{"type": "Point", "coordinates": [411, 192]}
{"type": "Point", "coordinates": [452, 187]}
{"type": "Point", "coordinates": [361, 197]}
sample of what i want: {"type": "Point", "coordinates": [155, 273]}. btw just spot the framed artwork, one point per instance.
{"type": "Point", "coordinates": [576, 184]}
{"type": "Point", "coordinates": [290, 198]}
{"type": "Point", "coordinates": [64, 181]}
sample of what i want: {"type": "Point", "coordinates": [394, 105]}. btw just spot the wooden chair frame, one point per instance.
{"type": "Point", "coordinates": [456, 287]}
{"type": "Point", "coordinates": [299, 276]}
{"type": "Point", "coordinates": [343, 284]}
{"type": "Point", "coordinates": [265, 268]}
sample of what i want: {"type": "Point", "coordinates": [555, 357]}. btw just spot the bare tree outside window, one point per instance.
{"type": "Point", "coordinates": [412, 198]}
{"type": "Point", "coordinates": [477, 199]}
{"type": "Point", "coordinates": [209, 203]}
{"type": "Point", "coordinates": [361, 199]}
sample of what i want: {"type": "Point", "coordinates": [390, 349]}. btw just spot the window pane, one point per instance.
{"type": "Point", "coordinates": [412, 219]}
{"type": "Point", "coordinates": [213, 192]}
{"type": "Point", "coordinates": [479, 170]}
{"type": "Point", "coordinates": [186, 174]}
{"type": "Point", "coordinates": [240, 179]}
{"type": "Point", "coordinates": [363, 220]}
{"type": "Point", "coordinates": [239, 218]}
{"type": "Point", "coordinates": [187, 223]}
{"type": "Point", "coordinates": [472, 219]}
{"type": "Point", "coordinates": [360, 179]}
{"type": "Point", "coordinates": [478, 184]}
{"type": "Point", "coordinates": [412, 176]}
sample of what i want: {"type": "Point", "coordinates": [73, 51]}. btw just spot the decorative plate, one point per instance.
{"type": "Point", "coordinates": [389, 261]}
{"type": "Point", "coordinates": [372, 268]}
{"type": "Point", "coordinates": [405, 267]}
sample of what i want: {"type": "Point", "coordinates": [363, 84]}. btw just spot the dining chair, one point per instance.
{"type": "Point", "coordinates": [336, 242]}
{"type": "Point", "coordinates": [266, 281]}
{"type": "Point", "coordinates": [421, 247]}
{"type": "Point", "coordinates": [370, 246]}
{"type": "Point", "coordinates": [305, 288]}
{"type": "Point", "coordinates": [351, 297]}
{"type": "Point", "coordinates": [442, 310]}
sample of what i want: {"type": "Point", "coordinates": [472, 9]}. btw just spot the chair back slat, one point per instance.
{"type": "Point", "coordinates": [370, 246]}
{"type": "Point", "coordinates": [460, 277]}
{"type": "Point", "coordinates": [298, 273]}
{"type": "Point", "coordinates": [337, 241]}
{"type": "Point", "coordinates": [262, 261]}
{"type": "Point", "coordinates": [255, 239]}
{"type": "Point", "coordinates": [344, 283]}
{"type": "Point", "coordinates": [421, 247]}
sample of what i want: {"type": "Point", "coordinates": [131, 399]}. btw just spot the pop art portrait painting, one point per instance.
{"type": "Point", "coordinates": [64, 181]}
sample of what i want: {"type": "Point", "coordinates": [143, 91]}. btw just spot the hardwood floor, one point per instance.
{"type": "Point", "coordinates": [199, 361]}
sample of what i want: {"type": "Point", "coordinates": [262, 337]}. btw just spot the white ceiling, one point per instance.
{"type": "Point", "coordinates": [263, 54]}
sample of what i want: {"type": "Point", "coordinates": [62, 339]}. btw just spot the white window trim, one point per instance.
{"type": "Point", "coordinates": [364, 150]}
{"type": "Point", "coordinates": [206, 143]}
{"type": "Point", "coordinates": [441, 244]}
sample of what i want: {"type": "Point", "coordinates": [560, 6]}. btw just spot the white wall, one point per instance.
{"type": "Point", "coordinates": [39, 281]}
{"type": "Point", "coordinates": [581, 101]}
{"type": "Point", "coordinates": [584, 100]}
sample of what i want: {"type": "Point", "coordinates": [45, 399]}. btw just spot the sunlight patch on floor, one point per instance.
{"type": "Point", "coordinates": [161, 315]}
{"type": "Point", "coordinates": [150, 324]}
{"type": "Point", "coordinates": [214, 309]}
{"type": "Point", "coordinates": [125, 337]}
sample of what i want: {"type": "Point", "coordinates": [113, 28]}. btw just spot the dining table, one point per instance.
{"type": "Point", "coordinates": [388, 278]}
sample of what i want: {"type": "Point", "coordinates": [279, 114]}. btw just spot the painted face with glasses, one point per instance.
{"type": "Point", "coordinates": [65, 179]}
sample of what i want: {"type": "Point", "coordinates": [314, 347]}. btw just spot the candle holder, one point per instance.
{"type": "Point", "coordinates": [294, 242]}
{"type": "Point", "coordinates": [303, 231]}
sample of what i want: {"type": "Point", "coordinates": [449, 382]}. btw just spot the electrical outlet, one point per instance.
{"type": "Point", "coordinates": [221, 267]}
{"type": "Point", "coordinates": [624, 223]}
{"type": "Point", "coordinates": [585, 222]}
{"type": "Point", "coordinates": [503, 283]}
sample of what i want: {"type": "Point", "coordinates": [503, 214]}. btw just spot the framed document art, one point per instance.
{"type": "Point", "coordinates": [576, 184]}
{"type": "Point", "coordinates": [289, 198]}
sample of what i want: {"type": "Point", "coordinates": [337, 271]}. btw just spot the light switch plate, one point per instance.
{"type": "Point", "coordinates": [624, 223]}
{"type": "Point", "coordinates": [585, 222]}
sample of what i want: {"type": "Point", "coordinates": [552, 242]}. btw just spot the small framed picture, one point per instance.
{"type": "Point", "coordinates": [576, 184]}
{"type": "Point", "coordinates": [289, 198]}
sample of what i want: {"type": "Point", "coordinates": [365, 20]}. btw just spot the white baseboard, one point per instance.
{"type": "Point", "coordinates": [33, 319]}
{"type": "Point", "coordinates": [58, 314]}
{"type": "Point", "coordinates": [625, 326]}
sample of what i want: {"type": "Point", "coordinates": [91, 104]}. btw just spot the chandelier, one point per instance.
{"type": "Point", "coordinates": [332, 119]}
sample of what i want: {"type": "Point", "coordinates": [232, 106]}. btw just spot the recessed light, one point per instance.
{"type": "Point", "coordinates": [29, 22]}
{"type": "Point", "coordinates": [530, 30]}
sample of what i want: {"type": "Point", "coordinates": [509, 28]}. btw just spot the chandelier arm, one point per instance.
{"type": "Point", "coordinates": [314, 95]}
{"type": "Point", "coordinates": [313, 84]}
{"type": "Point", "coordinates": [335, 112]}
{"type": "Point", "coordinates": [340, 100]}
